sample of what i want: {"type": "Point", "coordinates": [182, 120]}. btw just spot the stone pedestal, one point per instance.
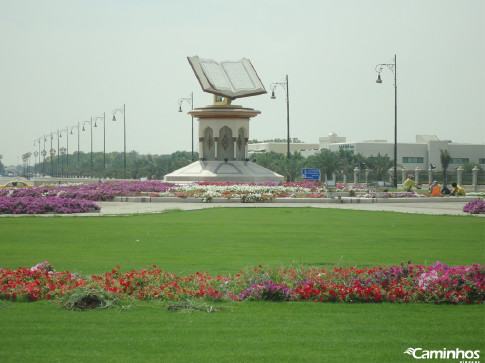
{"type": "Point", "coordinates": [223, 151]}
{"type": "Point", "coordinates": [221, 171]}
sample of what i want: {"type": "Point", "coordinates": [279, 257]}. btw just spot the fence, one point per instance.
{"type": "Point", "coordinates": [473, 180]}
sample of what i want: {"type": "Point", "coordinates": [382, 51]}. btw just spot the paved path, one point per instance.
{"type": "Point", "coordinates": [117, 208]}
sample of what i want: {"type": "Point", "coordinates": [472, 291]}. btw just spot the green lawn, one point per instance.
{"type": "Point", "coordinates": [224, 240]}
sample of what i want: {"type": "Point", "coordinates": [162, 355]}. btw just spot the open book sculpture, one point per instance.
{"type": "Point", "coordinates": [230, 79]}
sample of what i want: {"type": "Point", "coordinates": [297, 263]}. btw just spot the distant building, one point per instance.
{"type": "Point", "coordinates": [280, 147]}
{"type": "Point", "coordinates": [332, 138]}
{"type": "Point", "coordinates": [421, 154]}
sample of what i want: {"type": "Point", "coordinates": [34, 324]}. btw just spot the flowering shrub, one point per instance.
{"type": "Point", "coordinates": [94, 192]}
{"type": "Point", "coordinates": [41, 205]}
{"type": "Point", "coordinates": [476, 206]}
{"type": "Point", "coordinates": [437, 283]}
{"type": "Point", "coordinates": [403, 195]}
{"type": "Point", "coordinates": [268, 290]}
{"type": "Point", "coordinates": [205, 191]}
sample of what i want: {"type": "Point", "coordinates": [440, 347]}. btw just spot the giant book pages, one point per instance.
{"type": "Point", "coordinates": [231, 79]}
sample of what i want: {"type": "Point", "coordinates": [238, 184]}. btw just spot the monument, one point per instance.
{"type": "Point", "coordinates": [224, 127]}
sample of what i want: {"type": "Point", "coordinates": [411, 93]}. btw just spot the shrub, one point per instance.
{"type": "Point", "coordinates": [476, 206]}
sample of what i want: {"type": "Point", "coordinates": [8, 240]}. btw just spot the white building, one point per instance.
{"type": "Point", "coordinates": [281, 147]}
{"type": "Point", "coordinates": [421, 154]}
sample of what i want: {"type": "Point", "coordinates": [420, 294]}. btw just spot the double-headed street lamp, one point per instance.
{"type": "Point", "coordinates": [104, 136]}
{"type": "Point", "coordinates": [90, 122]}
{"type": "Point", "coordinates": [63, 152]}
{"type": "Point", "coordinates": [52, 152]}
{"type": "Point", "coordinates": [122, 111]}
{"type": "Point", "coordinates": [66, 130]}
{"type": "Point", "coordinates": [190, 101]}
{"type": "Point", "coordinates": [392, 67]}
{"type": "Point", "coordinates": [273, 96]}
{"type": "Point", "coordinates": [36, 154]}
{"type": "Point", "coordinates": [43, 153]}
{"type": "Point", "coordinates": [78, 133]}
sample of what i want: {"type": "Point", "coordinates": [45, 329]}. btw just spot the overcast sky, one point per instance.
{"type": "Point", "coordinates": [65, 61]}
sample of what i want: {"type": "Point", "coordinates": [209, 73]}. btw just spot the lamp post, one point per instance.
{"type": "Point", "coordinates": [67, 142]}
{"type": "Point", "coordinates": [58, 153]}
{"type": "Point", "coordinates": [78, 152]}
{"type": "Point", "coordinates": [190, 101]}
{"type": "Point", "coordinates": [392, 67]}
{"type": "Point", "coordinates": [90, 122]}
{"type": "Point", "coordinates": [122, 110]}
{"type": "Point", "coordinates": [37, 154]}
{"type": "Point", "coordinates": [44, 153]}
{"type": "Point", "coordinates": [52, 152]}
{"type": "Point", "coordinates": [63, 152]}
{"type": "Point", "coordinates": [273, 96]}
{"type": "Point", "coordinates": [104, 137]}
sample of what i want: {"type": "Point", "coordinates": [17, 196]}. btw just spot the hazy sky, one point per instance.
{"type": "Point", "coordinates": [64, 61]}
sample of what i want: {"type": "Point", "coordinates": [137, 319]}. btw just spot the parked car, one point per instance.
{"type": "Point", "coordinates": [16, 184]}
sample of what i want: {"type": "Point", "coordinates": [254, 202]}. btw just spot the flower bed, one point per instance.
{"type": "Point", "coordinates": [94, 192]}
{"type": "Point", "coordinates": [476, 206]}
{"type": "Point", "coordinates": [437, 283]}
{"type": "Point", "coordinates": [205, 191]}
{"type": "Point", "coordinates": [42, 205]}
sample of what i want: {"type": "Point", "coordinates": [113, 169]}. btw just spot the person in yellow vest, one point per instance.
{"type": "Point", "coordinates": [410, 183]}
{"type": "Point", "coordinates": [435, 189]}
{"type": "Point", "coordinates": [457, 190]}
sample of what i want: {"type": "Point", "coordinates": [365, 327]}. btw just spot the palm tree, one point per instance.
{"type": "Point", "coordinates": [291, 167]}
{"type": "Point", "coordinates": [380, 165]}
{"type": "Point", "coordinates": [327, 161]}
{"type": "Point", "coordinates": [445, 162]}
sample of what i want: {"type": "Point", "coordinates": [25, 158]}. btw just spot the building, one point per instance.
{"type": "Point", "coordinates": [420, 154]}
{"type": "Point", "coordinates": [281, 147]}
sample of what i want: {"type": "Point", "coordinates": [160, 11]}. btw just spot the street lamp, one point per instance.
{"type": "Point", "coordinates": [37, 153]}
{"type": "Point", "coordinates": [273, 96]}
{"type": "Point", "coordinates": [67, 142]}
{"type": "Point", "coordinates": [90, 122]}
{"type": "Point", "coordinates": [44, 153]}
{"type": "Point", "coordinates": [63, 152]}
{"type": "Point", "coordinates": [190, 101]}
{"type": "Point", "coordinates": [122, 110]}
{"type": "Point", "coordinates": [52, 152]}
{"type": "Point", "coordinates": [393, 68]}
{"type": "Point", "coordinates": [104, 137]}
{"type": "Point", "coordinates": [78, 133]}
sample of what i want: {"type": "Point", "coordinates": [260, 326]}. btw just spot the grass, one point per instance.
{"type": "Point", "coordinates": [253, 331]}
{"type": "Point", "coordinates": [223, 241]}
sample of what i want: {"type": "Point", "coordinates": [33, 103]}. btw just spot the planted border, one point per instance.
{"type": "Point", "coordinates": [437, 283]}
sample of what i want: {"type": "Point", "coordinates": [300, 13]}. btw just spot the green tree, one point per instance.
{"type": "Point", "coordinates": [468, 167]}
{"type": "Point", "coordinates": [269, 160]}
{"type": "Point", "coordinates": [445, 159]}
{"type": "Point", "coordinates": [379, 165]}
{"type": "Point", "coordinates": [327, 161]}
{"type": "Point", "coordinates": [291, 167]}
